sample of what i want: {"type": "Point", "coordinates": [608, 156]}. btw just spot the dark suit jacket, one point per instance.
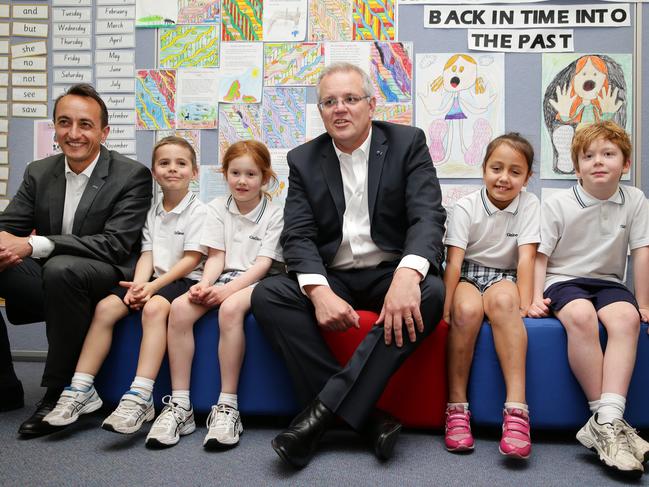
{"type": "Point", "coordinates": [404, 197]}
{"type": "Point", "coordinates": [110, 216]}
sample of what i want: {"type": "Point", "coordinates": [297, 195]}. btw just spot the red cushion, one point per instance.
{"type": "Point", "coordinates": [416, 393]}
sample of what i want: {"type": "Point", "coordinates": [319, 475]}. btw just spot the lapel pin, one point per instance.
{"type": "Point", "coordinates": [379, 153]}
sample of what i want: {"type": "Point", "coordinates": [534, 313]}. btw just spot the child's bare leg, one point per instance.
{"type": "Point", "coordinates": [180, 337]}
{"type": "Point", "coordinates": [466, 318]}
{"type": "Point", "coordinates": [154, 337]}
{"type": "Point", "coordinates": [232, 340]}
{"type": "Point", "coordinates": [501, 303]}
{"type": "Point", "coordinates": [622, 323]}
{"type": "Point", "coordinates": [96, 346]}
{"type": "Point", "coordinates": [585, 356]}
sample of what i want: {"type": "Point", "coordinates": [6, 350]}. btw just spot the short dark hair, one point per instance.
{"type": "Point", "coordinates": [517, 142]}
{"type": "Point", "coordinates": [88, 91]}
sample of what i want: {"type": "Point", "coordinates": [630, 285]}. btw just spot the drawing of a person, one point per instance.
{"type": "Point", "coordinates": [464, 92]}
{"type": "Point", "coordinates": [589, 90]}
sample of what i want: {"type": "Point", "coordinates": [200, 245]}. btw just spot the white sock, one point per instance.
{"type": "Point", "coordinates": [181, 398]}
{"type": "Point", "coordinates": [517, 405]}
{"type": "Point", "coordinates": [82, 382]}
{"type": "Point", "coordinates": [228, 400]}
{"type": "Point", "coordinates": [593, 406]}
{"type": "Point", "coordinates": [611, 406]}
{"type": "Point", "coordinates": [143, 386]}
{"type": "Point", "coordinates": [464, 405]}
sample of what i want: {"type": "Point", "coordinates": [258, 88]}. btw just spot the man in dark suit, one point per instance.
{"type": "Point", "coordinates": [86, 208]}
{"type": "Point", "coordinates": [363, 228]}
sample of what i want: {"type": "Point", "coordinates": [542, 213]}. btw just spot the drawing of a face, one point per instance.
{"type": "Point", "coordinates": [460, 75]}
{"type": "Point", "coordinates": [589, 81]}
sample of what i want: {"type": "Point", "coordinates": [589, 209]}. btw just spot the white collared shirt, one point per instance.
{"type": "Point", "coordinates": [489, 236]}
{"type": "Point", "coordinates": [584, 236]}
{"type": "Point", "coordinates": [243, 238]}
{"type": "Point", "coordinates": [169, 234]}
{"type": "Point", "coordinates": [75, 185]}
{"type": "Point", "coordinates": [357, 249]}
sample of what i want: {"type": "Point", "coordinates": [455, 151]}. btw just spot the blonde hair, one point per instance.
{"type": "Point", "coordinates": [606, 130]}
{"type": "Point", "coordinates": [438, 82]}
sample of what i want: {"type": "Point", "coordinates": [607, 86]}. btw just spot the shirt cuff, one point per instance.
{"type": "Point", "coordinates": [415, 262]}
{"type": "Point", "coordinates": [311, 280]}
{"type": "Point", "coordinates": [41, 246]}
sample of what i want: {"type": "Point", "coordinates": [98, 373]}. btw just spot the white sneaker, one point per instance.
{"type": "Point", "coordinates": [173, 422]}
{"type": "Point", "coordinates": [72, 404]}
{"type": "Point", "coordinates": [611, 443]}
{"type": "Point", "coordinates": [639, 446]}
{"type": "Point", "coordinates": [224, 427]}
{"type": "Point", "coordinates": [131, 413]}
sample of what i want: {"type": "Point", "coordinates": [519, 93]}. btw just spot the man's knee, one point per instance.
{"type": "Point", "coordinates": [432, 299]}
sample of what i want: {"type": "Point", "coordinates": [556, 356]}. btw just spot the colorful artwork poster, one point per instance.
{"type": "Point", "coordinates": [156, 13]}
{"type": "Point", "coordinates": [453, 192]}
{"type": "Point", "coordinates": [45, 143]}
{"type": "Point", "coordinates": [192, 46]}
{"type": "Point", "coordinates": [155, 99]}
{"type": "Point", "coordinates": [579, 89]}
{"type": "Point", "coordinates": [241, 72]}
{"type": "Point", "coordinates": [460, 106]}
{"type": "Point", "coordinates": [285, 20]}
{"type": "Point", "coordinates": [196, 98]}
{"type": "Point", "coordinates": [199, 11]}
{"type": "Point", "coordinates": [330, 20]}
{"type": "Point", "coordinates": [394, 112]}
{"type": "Point", "coordinates": [278, 189]}
{"type": "Point", "coordinates": [238, 121]}
{"type": "Point", "coordinates": [283, 117]}
{"type": "Point", "coordinates": [391, 71]}
{"type": "Point", "coordinates": [292, 64]}
{"type": "Point", "coordinates": [241, 20]}
{"type": "Point", "coordinates": [373, 20]}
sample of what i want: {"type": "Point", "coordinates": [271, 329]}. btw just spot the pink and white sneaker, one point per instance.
{"type": "Point", "coordinates": [516, 441]}
{"type": "Point", "coordinates": [458, 435]}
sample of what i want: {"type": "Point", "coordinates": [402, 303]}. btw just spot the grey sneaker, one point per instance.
{"type": "Point", "coordinates": [71, 404]}
{"type": "Point", "coordinates": [131, 413]}
{"type": "Point", "coordinates": [639, 446]}
{"type": "Point", "coordinates": [611, 443]}
{"type": "Point", "coordinates": [224, 427]}
{"type": "Point", "coordinates": [173, 422]}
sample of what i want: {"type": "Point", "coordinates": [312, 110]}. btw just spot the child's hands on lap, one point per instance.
{"type": "Point", "coordinates": [539, 308]}
{"type": "Point", "coordinates": [216, 295]}
{"type": "Point", "coordinates": [644, 315]}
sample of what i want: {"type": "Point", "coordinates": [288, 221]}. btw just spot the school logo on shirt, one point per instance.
{"type": "Point", "coordinates": [254, 237]}
{"type": "Point", "coordinates": [622, 226]}
{"type": "Point", "coordinates": [512, 234]}
{"type": "Point", "coordinates": [178, 232]}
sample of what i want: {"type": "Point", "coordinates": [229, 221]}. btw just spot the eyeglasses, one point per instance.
{"type": "Point", "coordinates": [348, 101]}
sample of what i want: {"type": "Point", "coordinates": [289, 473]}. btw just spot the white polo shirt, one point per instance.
{"type": "Point", "coordinates": [489, 236]}
{"type": "Point", "coordinates": [587, 237]}
{"type": "Point", "coordinates": [169, 234]}
{"type": "Point", "coordinates": [243, 237]}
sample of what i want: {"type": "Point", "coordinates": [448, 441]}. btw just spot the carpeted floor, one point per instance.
{"type": "Point", "coordinates": [86, 455]}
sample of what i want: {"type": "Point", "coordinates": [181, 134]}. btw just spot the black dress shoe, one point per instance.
{"type": "Point", "coordinates": [382, 431]}
{"type": "Point", "coordinates": [12, 396]}
{"type": "Point", "coordinates": [34, 425]}
{"type": "Point", "coordinates": [298, 443]}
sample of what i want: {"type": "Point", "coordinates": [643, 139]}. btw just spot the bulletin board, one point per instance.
{"type": "Point", "coordinates": [507, 92]}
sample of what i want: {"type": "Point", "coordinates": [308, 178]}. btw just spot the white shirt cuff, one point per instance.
{"type": "Point", "coordinates": [415, 262]}
{"type": "Point", "coordinates": [41, 246]}
{"type": "Point", "coordinates": [311, 280]}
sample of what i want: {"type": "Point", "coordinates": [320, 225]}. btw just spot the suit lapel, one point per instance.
{"type": "Point", "coordinates": [334, 179]}
{"type": "Point", "coordinates": [57, 196]}
{"type": "Point", "coordinates": [96, 181]}
{"type": "Point", "coordinates": [378, 150]}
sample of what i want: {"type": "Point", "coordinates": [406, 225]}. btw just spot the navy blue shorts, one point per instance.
{"type": "Point", "coordinates": [170, 292]}
{"type": "Point", "coordinates": [598, 291]}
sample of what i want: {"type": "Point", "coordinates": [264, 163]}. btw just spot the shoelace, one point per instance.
{"type": "Point", "coordinates": [621, 437]}
{"type": "Point", "coordinates": [171, 411]}
{"type": "Point", "coordinates": [221, 415]}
